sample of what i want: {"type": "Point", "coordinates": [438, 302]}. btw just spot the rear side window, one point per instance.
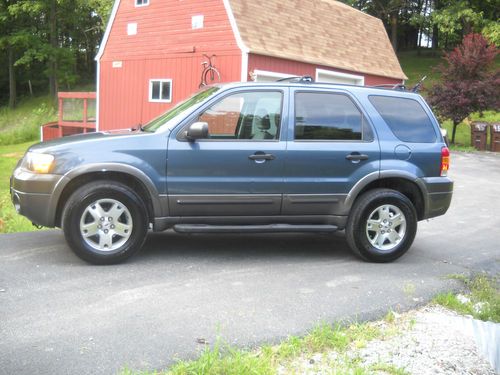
{"type": "Point", "coordinates": [406, 118]}
{"type": "Point", "coordinates": [327, 116]}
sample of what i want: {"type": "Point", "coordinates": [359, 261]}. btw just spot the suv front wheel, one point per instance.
{"type": "Point", "coordinates": [382, 225]}
{"type": "Point", "coordinates": [105, 222]}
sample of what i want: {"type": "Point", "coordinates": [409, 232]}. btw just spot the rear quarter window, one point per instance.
{"type": "Point", "coordinates": [406, 118]}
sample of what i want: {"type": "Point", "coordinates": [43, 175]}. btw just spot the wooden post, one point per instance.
{"type": "Point", "coordinates": [85, 108]}
{"type": "Point", "coordinates": [59, 128]}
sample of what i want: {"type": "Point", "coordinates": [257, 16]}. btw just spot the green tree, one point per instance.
{"type": "Point", "coordinates": [470, 83]}
{"type": "Point", "coordinates": [61, 35]}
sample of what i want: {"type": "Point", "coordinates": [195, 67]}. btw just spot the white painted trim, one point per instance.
{"type": "Point", "coordinates": [98, 95]}
{"type": "Point", "coordinates": [98, 57]}
{"type": "Point", "coordinates": [266, 73]}
{"type": "Point", "coordinates": [141, 5]}
{"type": "Point", "coordinates": [244, 66]}
{"type": "Point", "coordinates": [161, 80]}
{"type": "Point", "coordinates": [105, 38]}
{"type": "Point", "coordinates": [239, 41]}
{"type": "Point", "coordinates": [334, 74]}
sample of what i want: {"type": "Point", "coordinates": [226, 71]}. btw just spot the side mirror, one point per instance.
{"type": "Point", "coordinates": [197, 130]}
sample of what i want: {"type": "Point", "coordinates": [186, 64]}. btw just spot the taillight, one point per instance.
{"type": "Point", "coordinates": [445, 161]}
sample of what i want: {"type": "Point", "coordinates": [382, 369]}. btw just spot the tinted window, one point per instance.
{"type": "Point", "coordinates": [406, 118]}
{"type": "Point", "coordinates": [246, 115]}
{"type": "Point", "coordinates": [326, 116]}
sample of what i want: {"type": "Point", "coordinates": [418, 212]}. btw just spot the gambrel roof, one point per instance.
{"type": "Point", "coordinates": [325, 32]}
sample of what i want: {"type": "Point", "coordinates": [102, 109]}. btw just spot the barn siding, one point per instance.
{"type": "Point", "coordinates": [297, 68]}
{"type": "Point", "coordinates": [165, 47]}
{"type": "Point", "coordinates": [164, 28]}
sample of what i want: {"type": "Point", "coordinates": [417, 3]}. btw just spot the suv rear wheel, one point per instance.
{"type": "Point", "coordinates": [105, 222]}
{"type": "Point", "coordinates": [382, 225]}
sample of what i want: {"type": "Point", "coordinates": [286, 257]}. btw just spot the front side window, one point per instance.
{"type": "Point", "coordinates": [406, 118]}
{"type": "Point", "coordinates": [141, 3]}
{"type": "Point", "coordinates": [245, 115]}
{"type": "Point", "coordinates": [327, 116]}
{"type": "Point", "coordinates": [160, 90]}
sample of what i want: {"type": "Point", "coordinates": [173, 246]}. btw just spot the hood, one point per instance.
{"type": "Point", "coordinates": [81, 138]}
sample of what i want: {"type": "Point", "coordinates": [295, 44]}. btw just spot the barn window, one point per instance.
{"type": "Point", "coordinates": [160, 90]}
{"type": "Point", "coordinates": [141, 3]}
{"type": "Point", "coordinates": [197, 22]}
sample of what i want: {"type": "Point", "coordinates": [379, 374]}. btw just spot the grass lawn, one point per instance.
{"type": "Point", "coordinates": [417, 66]}
{"type": "Point", "coordinates": [10, 221]}
{"type": "Point", "coordinates": [23, 123]}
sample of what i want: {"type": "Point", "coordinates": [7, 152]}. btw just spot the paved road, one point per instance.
{"type": "Point", "coordinates": [59, 315]}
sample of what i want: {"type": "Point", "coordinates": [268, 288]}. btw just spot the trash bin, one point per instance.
{"type": "Point", "coordinates": [479, 134]}
{"type": "Point", "coordinates": [495, 137]}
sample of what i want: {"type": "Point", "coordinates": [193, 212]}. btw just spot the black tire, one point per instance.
{"type": "Point", "coordinates": [76, 211]}
{"type": "Point", "coordinates": [359, 235]}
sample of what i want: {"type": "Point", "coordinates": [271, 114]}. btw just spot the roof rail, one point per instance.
{"type": "Point", "coordinates": [402, 87]}
{"type": "Point", "coordinates": [390, 86]}
{"type": "Point", "coordinates": [298, 79]}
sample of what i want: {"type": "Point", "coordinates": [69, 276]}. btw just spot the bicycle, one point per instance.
{"type": "Point", "coordinates": [208, 68]}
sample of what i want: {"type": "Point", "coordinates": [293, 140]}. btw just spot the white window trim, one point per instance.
{"type": "Point", "coordinates": [141, 5]}
{"type": "Point", "coordinates": [161, 80]}
{"type": "Point", "coordinates": [360, 79]}
{"type": "Point", "coordinates": [265, 73]}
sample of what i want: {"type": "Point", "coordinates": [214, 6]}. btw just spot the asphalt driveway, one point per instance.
{"type": "Point", "coordinates": [59, 315]}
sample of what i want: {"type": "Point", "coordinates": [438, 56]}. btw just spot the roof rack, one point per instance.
{"type": "Point", "coordinates": [390, 86]}
{"type": "Point", "coordinates": [297, 79]}
{"type": "Point", "coordinates": [402, 87]}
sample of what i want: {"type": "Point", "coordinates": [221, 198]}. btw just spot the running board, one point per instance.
{"type": "Point", "coordinates": [271, 228]}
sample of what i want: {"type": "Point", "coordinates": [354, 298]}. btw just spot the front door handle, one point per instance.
{"type": "Point", "coordinates": [356, 157]}
{"type": "Point", "coordinates": [261, 157]}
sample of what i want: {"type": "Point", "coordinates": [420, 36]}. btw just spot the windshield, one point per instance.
{"type": "Point", "coordinates": [161, 120]}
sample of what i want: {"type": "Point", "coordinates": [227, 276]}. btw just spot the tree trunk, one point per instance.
{"type": "Point", "coordinates": [53, 44]}
{"type": "Point", "coordinates": [12, 79]}
{"type": "Point", "coordinates": [455, 125]}
{"type": "Point", "coordinates": [435, 30]}
{"type": "Point", "coordinates": [421, 26]}
{"type": "Point", "coordinates": [394, 30]}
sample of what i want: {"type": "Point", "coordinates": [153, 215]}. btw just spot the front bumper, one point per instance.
{"type": "Point", "coordinates": [438, 197]}
{"type": "Point", "coordinates": [33, 195]}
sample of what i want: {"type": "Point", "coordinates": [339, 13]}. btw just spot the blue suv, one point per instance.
{"type": "Point", "coordinates": [247, 157]}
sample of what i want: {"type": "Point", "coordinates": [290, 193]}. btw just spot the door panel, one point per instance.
{"type": "Point", "coordinates": [239, 169]}
{"type": "Point", "coordinates": [331, 147]}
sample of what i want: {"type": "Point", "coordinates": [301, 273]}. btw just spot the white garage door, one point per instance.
{"type": "Point", "coordinates": [331, 76]}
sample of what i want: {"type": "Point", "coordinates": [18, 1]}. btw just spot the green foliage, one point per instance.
{"type": "Point", "coordinates": [483, 298]}
{"type": "Point", "coordinates": [10, 221]}
{"type": "Point", "coordinates": [470, 81]}
{"type": "Point", "coordinates": [223, 359]}
{"type": "Point", "coordinates": [491, 31]}
{"type": "Point", "coordinates": [52, 38]}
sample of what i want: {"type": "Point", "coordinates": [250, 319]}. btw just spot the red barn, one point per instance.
{"type": "Point", "coordinates": [152, 52]}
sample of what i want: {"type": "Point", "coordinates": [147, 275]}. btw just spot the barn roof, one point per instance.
{"type": "Point", "coordinates": [324, 32]}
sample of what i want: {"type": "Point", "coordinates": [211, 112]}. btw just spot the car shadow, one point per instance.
{"type": "Point", "coordinates": [170, 244]}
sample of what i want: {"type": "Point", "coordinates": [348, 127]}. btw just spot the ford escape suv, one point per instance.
{"type": "Point", "coordinates": [247, 157]}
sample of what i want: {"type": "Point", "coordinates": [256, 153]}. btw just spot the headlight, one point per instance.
{"type": "Point", "coordinates": [39, 163]}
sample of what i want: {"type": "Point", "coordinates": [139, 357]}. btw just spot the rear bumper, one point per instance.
{"type": "Point", "coordinates": [32, 195]}
{"type": "Point", "coordinates": [438, 196]}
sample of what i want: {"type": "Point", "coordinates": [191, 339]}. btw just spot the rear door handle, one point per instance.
{"type": "Point", "coordinates": [260, 157]}
{"type": "Point", "coordinates": [356, 156]}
